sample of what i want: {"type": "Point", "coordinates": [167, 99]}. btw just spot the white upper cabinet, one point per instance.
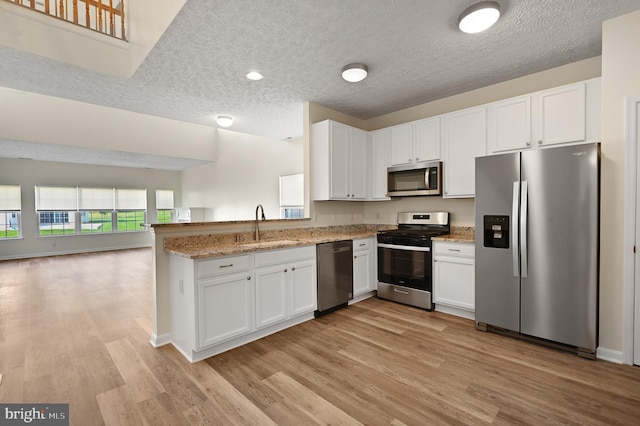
{"type": "Point", "coordinates": [562, 115]}
{"type": "Point", "coordinates": [427, 139]}
{"type": "Point", "coordinates": [464, 139]}
{"type": "Point", "coordinates": [379, 162]}
{"type": "Point", "coordinates": [510, 124]}
{"type": "Point", "coordinates": [414, 142]}
{"type": "Point", "coordinates": [339, 161]}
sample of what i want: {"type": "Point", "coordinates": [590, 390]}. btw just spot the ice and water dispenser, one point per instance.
{"type": "Point", "coordinates": [496, 231]}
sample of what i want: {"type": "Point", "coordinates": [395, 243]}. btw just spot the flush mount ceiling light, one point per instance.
{"type": "Point", "coordinates": [479, 17]}
{"type": "Point", "coordinates": [254, 75]}
{"type": "Point", "coordinates": [224, 120]}
{"type": "Point", "coordinates": [354, 73]}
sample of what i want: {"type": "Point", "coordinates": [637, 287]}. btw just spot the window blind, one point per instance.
{"type": "Point", "coordinates": [164, 199]}
{"type": "Point", "coordinates": [131, 199]}
{"type": "Point", "coordinates": [10, 198]}
{"type": "Point", "coordinates": [96, 198]}
{"type": "Point", "coordinates": [56, 198]}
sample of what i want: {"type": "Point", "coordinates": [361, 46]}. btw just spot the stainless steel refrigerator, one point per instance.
{"type": "Point", "coordinates": [537, 243]}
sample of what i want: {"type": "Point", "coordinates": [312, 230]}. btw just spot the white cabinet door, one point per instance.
{"type": "Point", "coordinates": [364, 265]}
{"type": "Point", "coordinates": [427, 139]}
{"type": "Point", "coordinates": [378, 164]}
{"type": "Point", "coordinates": [357, 165]}
{"type": "Point", "coordinates": [454, 282]}
{"type": "Point", "coordinates": [510, 124]}
{"type": "Point", "coordinates": [271, 295]}
{"type": "Point", "coordinates": [465, 138]}
{"type": "Point", "coordinates": [562, 115]}
{"type": "Point", "coordinates": [361, 272]}
{"type": "Point", "coordinates": [302, 287]}
{"type": "Point", "coordinates": [225, 308]}
{"type": "Point", "coordinates": [340, 161]}
{"type": "Point", "coordinates": [401, 144]}
{"type": "Point", "coordinates": [415, 142]}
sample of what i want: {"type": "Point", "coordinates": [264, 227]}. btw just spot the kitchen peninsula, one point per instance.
{"type": "Point", "coordinates": [216, 287]}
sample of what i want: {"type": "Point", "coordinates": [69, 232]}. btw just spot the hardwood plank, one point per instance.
{"type": "Point", "coordinates": [140, 381]}
{"type": "Point", "coordinates": [118, 407]}
{"type": "Point", "coordinates": [314, 406]}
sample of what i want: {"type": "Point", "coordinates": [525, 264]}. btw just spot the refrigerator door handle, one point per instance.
{"type": "Point", "coordinates": [524, 205]}
{"type": "Point", "coordinates": [514, 233]}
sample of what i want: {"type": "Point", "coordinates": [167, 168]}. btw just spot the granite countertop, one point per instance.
{"type": "Point", "coordinates": [202, 246]}
{"type": "Point", "coordinates": [458, 234]}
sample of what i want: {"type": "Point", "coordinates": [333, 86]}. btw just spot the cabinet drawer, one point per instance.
{"type": "Point", "coordinates": [280, 256]}
{"type": "Point", "coordinates": [362, 244]}
{"type": "Point", "coordinates": [223, 265]}
{"type": "Point", "coordinates": [454, 249]}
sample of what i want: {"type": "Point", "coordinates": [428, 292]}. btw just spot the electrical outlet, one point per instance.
{"type": "Point", "coordinates": [181, 286]}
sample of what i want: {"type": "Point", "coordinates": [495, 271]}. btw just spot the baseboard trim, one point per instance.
{"type": "Point", "coordinates": [609, 355]}
{"type": "Point", "coordinates": [161, 340]}
{"type": "Point", "coordinates": [68, 252]}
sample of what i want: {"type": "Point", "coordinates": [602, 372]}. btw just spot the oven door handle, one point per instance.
{"type": "Point", "coordinates": [398, 247]}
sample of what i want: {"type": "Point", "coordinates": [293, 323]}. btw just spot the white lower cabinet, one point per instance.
{"type": "Point", "coordinates": [454, 278]}
{"type": "Point", "coordinates": [364, 262]}
{"type": "Point", "coordinates": [225, 309]}
{"type": "Point", "coordinates": [223, 302]}
{"type": "Point", "coordinates": [285, 290]}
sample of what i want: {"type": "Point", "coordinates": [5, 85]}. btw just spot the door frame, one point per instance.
{"type": "Point", "coordinates": [631, 215]}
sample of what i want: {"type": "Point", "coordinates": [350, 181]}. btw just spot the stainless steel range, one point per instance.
{"type": "Point", "coordinates": [404, 258]}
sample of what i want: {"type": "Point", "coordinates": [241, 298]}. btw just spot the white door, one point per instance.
{"type": "Point", "coordinates": [636, 323]}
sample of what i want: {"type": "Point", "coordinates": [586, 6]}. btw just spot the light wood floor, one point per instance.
{"type": "Point", "coordinates": [75, 329]}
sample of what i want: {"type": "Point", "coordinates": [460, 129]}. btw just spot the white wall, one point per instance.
{"type": "Point", "coordinates": [620, 71]}
{"type": "Point", "coordinates": [245, 174]}
{"type": "Point", "coordinates": [79, 124]}
{"type": "Point", "coordinates": [29, 173]}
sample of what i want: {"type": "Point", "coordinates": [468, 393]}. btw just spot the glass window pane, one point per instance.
{"type": "Point", "coordinates": [57, 222]}
{"type": "Point", "coordinates": [164, 216]}
{"type": "Point", "coordinates": [56, 198]}
{"type": "Point", "coordinates": [10, 198]}
{"type": "Point", "coordinates": [9, 225]}
{"type": "Point", "coordinates": [96, 198]}
{"type": "Point", "coordinates": [96, 222]}
{"type": "Point", "coordinates": [131, 221]}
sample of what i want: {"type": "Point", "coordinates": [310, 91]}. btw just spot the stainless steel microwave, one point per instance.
{"type": "Point", "coordinates": [415, 179]}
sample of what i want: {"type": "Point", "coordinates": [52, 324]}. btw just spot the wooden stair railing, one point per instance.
{"type": "Point", "coordinates": [99, 15]}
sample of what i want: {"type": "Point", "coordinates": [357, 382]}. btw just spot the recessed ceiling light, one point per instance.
{"type": "Point", "coordinates": [354, 73]}
{"type": "Point", "coordinates": [224, 121]}
{"type": "Point", "coordinates": [254, 75]}
{"type": "Point", "coordinates": [479, 17]}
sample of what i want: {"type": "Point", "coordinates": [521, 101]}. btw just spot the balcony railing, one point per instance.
{"type": "Point", "coordinates": [105, 16]}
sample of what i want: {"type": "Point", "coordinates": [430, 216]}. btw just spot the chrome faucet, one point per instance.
{"type": "Point", "coordinates": [263, 218]}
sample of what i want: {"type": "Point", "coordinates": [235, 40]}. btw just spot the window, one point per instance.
{"type": "Point", "coordinates": [74, 210]}
{"type": "Point", "coordinates": [96, 206]}
{"type": "Point", "coordinates": [56, 208]}
{"type": "Point", "coordinates": [10, 207]}
{"type": "Point", "coordinates": [164, 205]}
{"type": "Point", "coordinates": [131, 205]}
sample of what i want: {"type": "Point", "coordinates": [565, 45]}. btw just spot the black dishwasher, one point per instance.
{"type": "Point", "coordinates": [335, 275]}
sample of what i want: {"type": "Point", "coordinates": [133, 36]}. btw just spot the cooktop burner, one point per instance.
{"type": "Point", "coordinates": [416, 229]}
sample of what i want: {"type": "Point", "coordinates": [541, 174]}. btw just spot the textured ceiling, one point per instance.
{"type": "Point", "coordinates": [413, 49]}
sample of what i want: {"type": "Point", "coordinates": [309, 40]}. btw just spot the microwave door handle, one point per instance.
{"type": "Point", "coordinates": [426, 178]}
